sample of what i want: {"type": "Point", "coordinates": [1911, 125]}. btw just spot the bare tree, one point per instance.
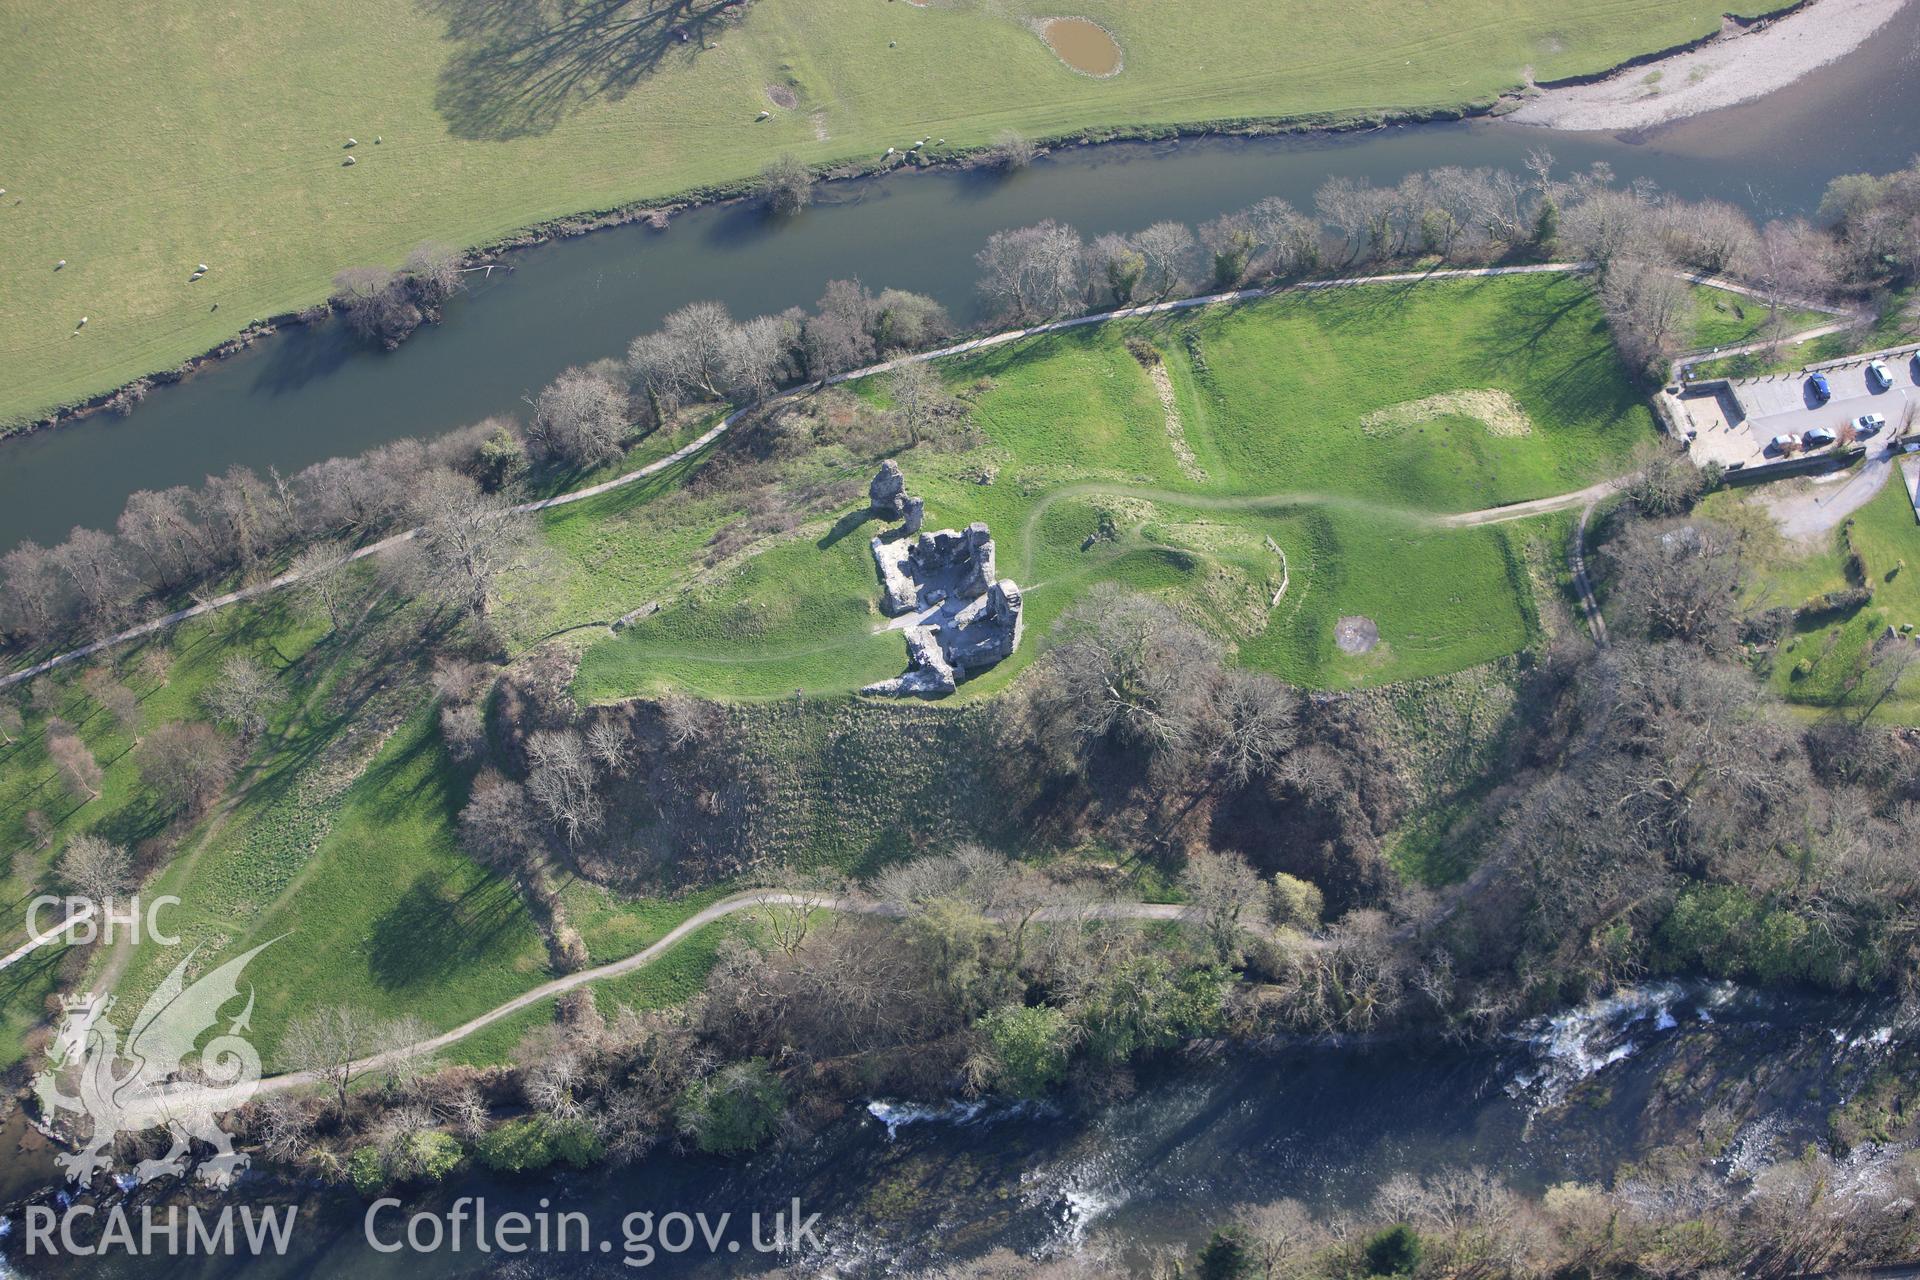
{"type": "Point", "coordinates": [464, 728]}
{"type": "Point", "coordinates": [918, 398]}
{"type": "Point", "coordinates": [610, 742]}
{"type": "Point", "coordinates": [1011, 151]}
{"type": "Point", "coordinates": [1289, 240]}
{"type": "Point", "coordinates": [1126, 669]}
{"type": "Point", "coordinates": [1033, 272]}
{"type": "Point", "coordinates": [245, 696]}
{"type": "Point", "coordinates": [838, 336]}
{"type": "Point", "coordinates": [1647, 308]}
{"type": "Point", "coordinates": [1677, 583]}
{"type": "Point", "coordinates": [433, 274]}
{"type": "Point", "coordinates": [74, 760]}
{"type": "Point", "coordinates": [688, 722]}
{"type": "Point", "coordinates": [580, 419]}
{"type": "Point", "coordinates": [323, 580]}
{"type": "Point", "coordinates": [185, 763]}
{"type": "Point", "coordinates": [1169, 251]}
{"type": "Point", "coordinates": [497, 821]}
{"type": "Point", "coordinates": [334, 1044]}
{"type": "Point", "coordinates": [115, 699]}
{"type": "Point", "coordinates": [377, 304]}
{"type": "Point", "coordinates": [92, 564]}
{"type": "Point", "coordinates": [11, 724]}
{"type": "Point", "coordinates": [1224, 893]}
{"type": "Point", "coordinates": [472, 541]}
{"type": "Point", "coordinates": [563, 782]}
{"type": "Point", "coordinates": [98, 869]}
{"type": "Point", "coordinates": [1794, 262]}
{"type": "Point", "coordinates": [786, 185]}
{"type": "Point", "coordinates": [160, 530]}
{"type": "Point", "coordinates": [1231, 241]}
{"type": "Point", "coordinates": [31, 603]}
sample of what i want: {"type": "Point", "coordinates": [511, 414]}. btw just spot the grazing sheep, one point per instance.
{"type": "Point", "coordinates": [201, 267]}
{"type": "Point", "coordinates": [353, 142]}
{"type": "Point", "coordinates": [763, 115]}
{"type": "Point", "coordinates": [348, 161]}
{"type": "Point", "coordinates": [60, 265]}
{"type": "Point", "coordinates": [83, 322]}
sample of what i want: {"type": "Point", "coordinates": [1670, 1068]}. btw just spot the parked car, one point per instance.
{"type": "Point", "coordinates": [1821, 391]}
{"type": "Point", "coordinates": [1868, 424]}
{"type": "Point", "coordinates": [1877, 375]}
{"type": "Point", "coordinates": [1817, 438]}
{"type": "Point", "coordinates": [1783, 445]}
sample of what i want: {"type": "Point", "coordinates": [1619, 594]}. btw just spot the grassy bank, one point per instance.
{"type": "Point", "coordinates": [1308, 440]}
{"type": "Point", "coordinates": [145, 138]}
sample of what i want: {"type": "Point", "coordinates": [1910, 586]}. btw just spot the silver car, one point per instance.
{"type": "Point", "coordinates": [1878, 376]}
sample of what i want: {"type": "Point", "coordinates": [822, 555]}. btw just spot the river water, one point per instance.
{"type": "Point", "coordinates": [899, 1187]}
{"type": "Point", "coordinates": [312, 393]}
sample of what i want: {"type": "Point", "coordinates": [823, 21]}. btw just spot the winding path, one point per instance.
{"type": "Point", "coordinates": [225, 1099]}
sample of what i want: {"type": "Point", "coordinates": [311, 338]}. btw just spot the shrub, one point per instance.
{"type": "Point", "coordinates": [1028, 1047]}
{"type": "Point", "coordinates": [533, 1142]}
{"type": "Point", "coordinates": [734, 1109]}
{"type": "Point", "coordinates": [1394, 1252]}
{"type": "Point", "coordinates": [367, 1170]}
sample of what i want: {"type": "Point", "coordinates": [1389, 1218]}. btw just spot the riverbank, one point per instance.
{"type": "Point", "coordinates": [285, 212]}
{"type": "Point", "coordinates": [1745, 61]}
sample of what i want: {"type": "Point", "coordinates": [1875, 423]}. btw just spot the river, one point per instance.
{"type": "Point", "coordinates": [311, 392]}
{"type": "Point", "coordinates": [900, 1187]}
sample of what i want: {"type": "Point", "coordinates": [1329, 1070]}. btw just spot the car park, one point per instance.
{"type": "Point", "coordinates": [1817, 438]}
{"type": "Point", "coordinates": [1868, 424]}
{"type": "Point", "coordinates": [1783, 445]}
{"type": "Point", "coordinates": [1877, 375]}
{"type": "Point", "coordinates": [1821, 390]}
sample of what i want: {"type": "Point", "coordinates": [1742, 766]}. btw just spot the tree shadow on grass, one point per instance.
{"type": "Point", "coordinates": [433, 932]}
{"type": "Point", "coordinates": [520, 67]}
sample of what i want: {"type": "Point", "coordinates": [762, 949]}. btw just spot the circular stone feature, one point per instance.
{"type": "Point", "coordinates": [1084, 45]}
{"type": "Point", "coordinates": [1355, 634]}
{"type": "Point", "coordinates": [783, 97]}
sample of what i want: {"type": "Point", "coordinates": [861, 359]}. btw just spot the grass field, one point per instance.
{"type": "Point", "coordinates": [1722, 318]}
{"type": "Point", "coordinates": [1827, 664]}
{"type": "Point", "coordinates": [142, 138]}
{"type": "Point", "coordinates": [1089, 484]}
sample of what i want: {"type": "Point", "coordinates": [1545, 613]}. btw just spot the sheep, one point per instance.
{"type": "Point", "coordinates": [763, 115]}
{"type": "Point", "coordinates": [353, 142]}
{"type": "Point", "coordinates": [60, 265]}
{"type": "Point", "coordinates": [348, 161]}
{"type": "Point", "coordinates": [83, 322]}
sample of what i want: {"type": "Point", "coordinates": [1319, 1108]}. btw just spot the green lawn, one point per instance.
{"type": "Point", "coordinates": [1087, 485]}
{"type": "Point", "coordinates": [1722, 318]}
{"type": "Point", "coordinates": [1898, 325]}
{"type": "Point", "coordinates": [1824, 664]}
{"type": "Point", "coordinates": [144, 138]}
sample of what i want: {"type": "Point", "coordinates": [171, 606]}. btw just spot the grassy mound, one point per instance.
{"type": "Point", "coordinates": [1081, 477]}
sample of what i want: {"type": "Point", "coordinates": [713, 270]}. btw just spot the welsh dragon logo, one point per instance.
{"type": "Point", "coordinates": [145, 1084]}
